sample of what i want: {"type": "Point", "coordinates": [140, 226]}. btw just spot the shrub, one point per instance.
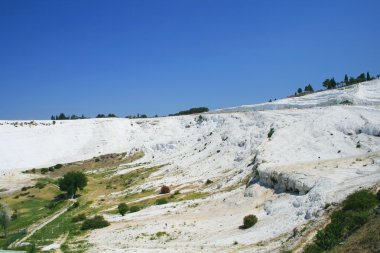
{"type": "Point", "coordinates": [134, 209]}
{"type": "Point", "coordinates": [94, 223]}
{"type": "Point", "coordinates": [58, 166]}
{"type": "Point", "coordinates": [191, 111]}
{"type": "Point", "coordinates": [249, 221]}
{"type": "Point", "coordinates": [312, 248]}
{"type": "Point", "coordinates": [162, 201]}
{"type": "Point", "coordinates": [79, 217]}
{"type": "Point", "coordinates": [355, 212]}
{"type": "Point", "coordinates": [208, 182]}
{"type": "Point", "coordinates": [14, 215]}
{"type": "Point", "coordinates": [378, 195]}
{"type": "Point", "coordinates": [271, 132]}
{"type": "Point", "coordinates": [40, 185]}
{"type": "Point", "coordinates": [52, 204]}
{"type": "Point", "coordinates": [44, 170]}
{"type": "Point", "coordinates": [165, 189]}
{"type": "Point", "coordinates": [75, 205]}
{"type": "Point", "coordinates": [359, 201]}
{"type": "Point", "coordinates": [123, 208]}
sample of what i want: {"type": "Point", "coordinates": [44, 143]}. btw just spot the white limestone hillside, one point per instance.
{"type": "Point", "coordinates": [317, 154]}
{"type": "Point", "coordinates": [366, 93]}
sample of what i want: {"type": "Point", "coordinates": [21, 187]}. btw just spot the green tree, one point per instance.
{"type": "Point", "coordinates": [299, 90]}
{"type": "Point", "coordinates": [368, 77]}
{"type": "Point", "coordinates": [309, 88]}
{"type": "Point", "coordinates": [329, 83]}
{"type": "Point", "coordinates": [5, 218]}
{"type": "Point", "coordinates": [361, 78]}
{"type": "Point", "coordinates": [62, 116]}
{"type": "Point", "coordinates": [346, 79]}
{"type": "Point", "coordinates": [72, 181]}
{"type": "Point", "coordinates": [326, 83]}
{"type": "Point", "coordinates": [123, 208]}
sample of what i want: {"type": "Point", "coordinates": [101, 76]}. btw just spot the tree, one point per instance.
{"type": "Point", "coordinates": [346, 79]}
{"type": "Point", "coordinates": [123, 208]}
{"type": "Point", "coordinates": [309, 88]}
{"type": "Point", "coordinates": [299, 90]}
{"type": "Point", "coordinates": [5, 218]}
{"type": "Point", "coordinates": [62, 116]}
{"type": "Point", "coordinates": [361, 78]}
{"type": "Point", "coordinates": [72, 181]}
{"type": "Point", "coordinates": [329, 83]}
{"type": "Point", "coordinates": [368, 77]}
{"type": "Point", "coordinates": [326, 83]}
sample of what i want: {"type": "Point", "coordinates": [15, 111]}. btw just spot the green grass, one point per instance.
{"type": "Point", "coordinates": [58, 227]}
{"type": "Point", "coordinates": [30, 211]}
{"type": "Point", "coordinates": [355, 212]}
{"type": "Point", "coordinates": [364, 240]}
{"type": "Point", "coordinates": [5, 242]}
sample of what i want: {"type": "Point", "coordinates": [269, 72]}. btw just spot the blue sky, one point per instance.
{"type": "Point", "coordinates": [160, 57]}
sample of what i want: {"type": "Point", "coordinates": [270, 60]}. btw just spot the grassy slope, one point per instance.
{"type": "Point", "coordinates": [364, 240]}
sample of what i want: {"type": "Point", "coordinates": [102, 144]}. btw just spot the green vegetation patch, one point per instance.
{"type": "Point", "coordinates": [356, 210]}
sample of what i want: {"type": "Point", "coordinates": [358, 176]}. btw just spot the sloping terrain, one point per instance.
{"type": "Point", "coordinates": [273, 160]}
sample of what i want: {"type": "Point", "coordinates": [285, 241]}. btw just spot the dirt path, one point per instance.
{"type": "Point", "coordinates": [35, 227]}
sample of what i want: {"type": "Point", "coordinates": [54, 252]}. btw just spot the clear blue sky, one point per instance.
{"type": "Point", "coordinates": [159, 57]}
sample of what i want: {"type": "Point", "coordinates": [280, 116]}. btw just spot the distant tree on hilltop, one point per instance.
{"type": "Point", "coordinates": [368, 77]}
{"type": "Point", "coordinates": [191, 111]}
{"type": "Point", "coordinates": [329, 83]}
{"type": "Point", "coordinates": [346, 79]}
{"type": "Point", "coordinates": [309, 88]}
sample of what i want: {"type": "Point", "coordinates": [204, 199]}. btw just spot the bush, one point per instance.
{"type": "Point", "coordinates": [209, 182]}
{"type": "Point", "coordinates": [355, 212]}
{"type": "Point", "coordinates": [165, 189]}
{"type": "Point", "coordinates": [58, 166]}
{"type": "Point", "coordinates": [79, 217]}
{"type": "Point", "coordinates": [94, 223]}
{"type": "Point", "coordinates": [40, 185]}
{"type": "Point", "coordinates": [134, 209]}
{"type": "Point", "coordinates": [75, 205]}
{"type": "Point", "coordinates": [191, 111]}
{"type": "Point", "coordinates": [161, 201]}
{"type": "Point", "coordinates": [359, 201]}
{"type": "Point", "coordinates": [312, 248]}
{"type": "Point", "coordinates": [378, 195]}
{"type": "Point", "coordinates": [123, 208]}
{"type": "Point", "coordinates": [249, 221]}
{"type": "Point", "coordinates": [271, 132]}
